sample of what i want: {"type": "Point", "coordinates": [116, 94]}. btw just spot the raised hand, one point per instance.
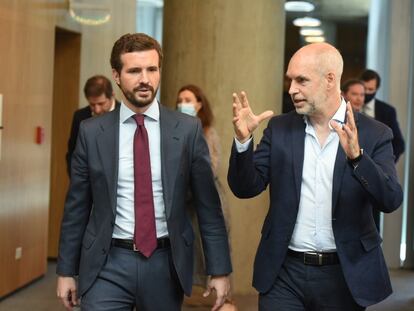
{"type": "Point", "coordinates": [244, 120]}
{"type": "Point", "coordinates": [348, 134]}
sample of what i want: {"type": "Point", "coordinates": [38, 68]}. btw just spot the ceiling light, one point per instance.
{"type": "Point", "coordinates": [90, 12]}
{"type": "Point", "coordinates": [315, 39]}
{"type": "Point", "coordinates": [311, 32]}
{"type": "Point", "coordinates": [299, 6]}
{"type": "Point", "coordinates": [306, 22]}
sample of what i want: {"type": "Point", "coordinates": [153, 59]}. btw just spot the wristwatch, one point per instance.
{"type": "Point", "coordinates": [355, 162]}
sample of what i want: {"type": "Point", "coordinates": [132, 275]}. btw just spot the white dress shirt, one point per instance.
{"type": "Point", "coordinates": [369, 108]}
{"type": "Point", "coordinates": [313, 228]}
{"type": "Point", "coordinates": [125, 219]}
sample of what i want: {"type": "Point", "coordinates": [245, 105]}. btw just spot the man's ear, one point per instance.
{"type": "Point", "coordinates": [115, 76]}
{"type": "Point", "coordinates": [331, 80]}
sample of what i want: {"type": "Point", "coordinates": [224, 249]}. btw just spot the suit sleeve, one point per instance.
{"type": "Point", "coordinates": [376, 173]}
{"type": "Point", "coordinates": [398, 143]}
{"type": "Point", "coordinates": [208, 209]}
{"type": "Point", "coordinates": [248, 173]}
{"type": "Point", "coordinates": [76, 212]}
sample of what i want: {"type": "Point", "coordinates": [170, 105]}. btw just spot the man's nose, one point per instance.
{"type": "Point", "coordinates": [144, 77]}
{"type": "Point", "coordinates": [98, 110]}
{"type": "Point", "coordinates": [292, 88]}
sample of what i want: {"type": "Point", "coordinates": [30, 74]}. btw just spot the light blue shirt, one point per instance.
{"type": "Point", "coordinates": [313, 228]}
{"type": "Point", "coordinates": [125, 219]}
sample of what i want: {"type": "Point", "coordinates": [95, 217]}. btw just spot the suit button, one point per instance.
{"type": "Point", "coordinates": [103, 251]}
{"type": "Point", "coordinates": [112, 223]}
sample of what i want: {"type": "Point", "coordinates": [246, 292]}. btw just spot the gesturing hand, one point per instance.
{"type": "Point", "coordinates": [244, 120]}
{"type": "Point", "coordinates": [348, 134]}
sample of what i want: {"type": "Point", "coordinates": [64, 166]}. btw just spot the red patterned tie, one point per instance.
{"type": "Point", "coordinates": [145, 236]}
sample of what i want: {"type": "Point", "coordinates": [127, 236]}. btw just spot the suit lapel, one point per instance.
{"type": "Point", "coordinates": [339, 169]}
{"type": "Point", "coordinates": [170, 149]}
{"type": "Point", "coordinates": [108, 152]}
{"type": "Point", "coordinates": [298, 147]}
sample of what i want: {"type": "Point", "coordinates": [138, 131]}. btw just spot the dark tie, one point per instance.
{"type": "Point", "coordinates": [145, 237]}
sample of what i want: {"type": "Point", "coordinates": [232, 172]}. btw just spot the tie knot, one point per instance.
{"type": "Point", "coordinates": [139, 118]}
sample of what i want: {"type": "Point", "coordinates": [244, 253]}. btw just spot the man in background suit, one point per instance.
{"type": "Point", "coordinates": [100, 96]}
{"type": "Point", "coordinates": [384, 113]}
{"type": "Point", "coordinates": [327, 169]}
{"type": "Point", "coordinates": [353, 91]}
{"type": "Point", "coordinates": [126, 232]}
{"type": "Point", "coordinates": [381, 111]}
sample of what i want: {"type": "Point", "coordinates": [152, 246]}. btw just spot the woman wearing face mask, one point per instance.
{"type": "Point", "coordinates": [191, 100]}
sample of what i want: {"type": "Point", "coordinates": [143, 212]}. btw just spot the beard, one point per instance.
{"type": "Point", "coordinates": [137, 101]}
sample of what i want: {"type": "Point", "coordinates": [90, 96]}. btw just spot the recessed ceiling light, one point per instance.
{"type": "Point", "coordinates": [299, 6]}
{"type": "Point", "coordinates": [315, 39]}
{"type": "Point", "coordinates": [306, 22]}
{"type": "Point", "coordinates": [311, 32]}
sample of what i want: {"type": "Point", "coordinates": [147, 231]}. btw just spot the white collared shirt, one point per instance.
{"type": "Point", "coordinates": [369, 108]}
{"type": "Point", "coordinates": [125, 221]}
{"type": "Point", "coordinates": [313, 228]}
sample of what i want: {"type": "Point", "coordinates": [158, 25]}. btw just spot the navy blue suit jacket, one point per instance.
{"type": "Point", "coordinates": [386, 114]}
{"type": "Point", "coordinates": [90, 207]}
{"type": "Point", "coordinates": [278, 162]}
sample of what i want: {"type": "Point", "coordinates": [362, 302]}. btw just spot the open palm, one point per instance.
{"type": "Point", "coordinates": [244, 120]}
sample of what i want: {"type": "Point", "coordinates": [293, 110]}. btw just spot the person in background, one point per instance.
{"type": "Point", "coordinates": [100, 96]}
{"type": "Point", "coordinates": [326, 169]}
{"type": "Point", "coordinates": [353, 91]}
{"type": "Point", "coordinates": [381, 111]}
{"type": "Point", "coordinates": [126, 238]}
{"type": "Point", "coordinates": [191, 100]}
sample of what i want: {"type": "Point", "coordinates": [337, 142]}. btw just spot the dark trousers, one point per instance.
{"type": "Point", "coordinates": [301, 287]}
{"type": "Point", "coordinates": [130, 280]}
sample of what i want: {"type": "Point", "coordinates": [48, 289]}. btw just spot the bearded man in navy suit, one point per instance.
{"type": "Point", "coordinates": [126, 233]}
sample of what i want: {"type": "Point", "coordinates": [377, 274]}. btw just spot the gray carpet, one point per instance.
{"type": "Point", "coordinates": [40, 296]}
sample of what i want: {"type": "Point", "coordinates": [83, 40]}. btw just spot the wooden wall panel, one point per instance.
{"type": "Point", "coordinates": [24, 166]}
{"type": "Point", "coordinates": [65, 101]}
{"type": "Point", "coordinates": [27, 32]}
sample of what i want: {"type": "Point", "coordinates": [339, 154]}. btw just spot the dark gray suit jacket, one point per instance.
{"type": "Point", "coordinates": [90, 206]}
{"type": "Point", "coordinates": [278, 162]}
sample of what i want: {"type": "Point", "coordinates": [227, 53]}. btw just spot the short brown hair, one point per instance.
{"type": "Point", "coordinates": [205, 114]}
{"type": "Point", "coordinates": [136, 42]}
{"type": "Point", "coordinates": [369, 74]}
{"type": "Point", "coordinates": [347, 84]}
{"type": "Point", "coordinates": [98, 85]}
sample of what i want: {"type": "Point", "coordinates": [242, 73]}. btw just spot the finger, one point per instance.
{"type": "Point", "coordinates": [235, 110]}
{"type": "Point", "coordinates": [265, 115]}
{"type": "Point", "coordinates": [352, 138]}
{"type": "Point", "coordinates": [67, 302]}
{"type": "Point", "coordinates": [236, 100]}
{"type": "Point", "coordinates": [337, 127]}
{"type": "Point", "coordinates": [219, 302]}
{"type": "Point", "coordinates": [74, 297]}
{"type": "Point", "coordinates": [350, 116]}
{"type": "Point", "coordinates": [207, 292]}
{"type": "Point", "coordinates": [244, 101]}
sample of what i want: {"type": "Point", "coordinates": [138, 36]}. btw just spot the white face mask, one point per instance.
{"type": "Point", "coordinates": [188, 108]}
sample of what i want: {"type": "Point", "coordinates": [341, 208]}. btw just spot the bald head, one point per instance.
{"type": "Point", "coordinates": [324, 58]}
{"type": "Point", "coordinates": [315, 71]}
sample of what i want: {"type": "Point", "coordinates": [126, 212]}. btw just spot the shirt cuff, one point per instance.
{"type": "Point", "coordinates": [242, 147]}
